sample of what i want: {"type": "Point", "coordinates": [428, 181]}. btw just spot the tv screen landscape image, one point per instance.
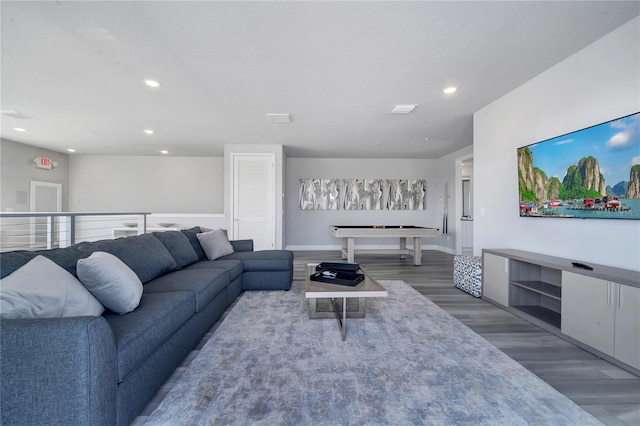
{"type": "Point", "coordinates": [590, 173]}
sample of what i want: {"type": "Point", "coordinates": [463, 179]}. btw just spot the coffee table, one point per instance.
{"type": "Point", "coordinates": [340, 301]}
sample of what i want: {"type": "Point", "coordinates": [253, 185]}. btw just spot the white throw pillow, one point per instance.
{"type": "Point", "coordinates": [215, 243]}
{"type": "Point", "coordinates": [112, 282]}
{"type": "Point", "coordinates": [42, 289]}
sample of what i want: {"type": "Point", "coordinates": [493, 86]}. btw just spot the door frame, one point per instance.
{"type": "Point", "coordinates": [33, 186]}
{"type": "Point", "coordinates": [458, 193]}
{"type": "Point", "coordinates": [233, 193]}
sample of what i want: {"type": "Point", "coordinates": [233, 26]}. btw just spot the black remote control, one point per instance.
{"type": "Point", "coordinates": [582, 265]}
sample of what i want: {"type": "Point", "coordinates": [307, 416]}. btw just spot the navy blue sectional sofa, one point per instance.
{"type": "Point", "coordinates": [103, 370]}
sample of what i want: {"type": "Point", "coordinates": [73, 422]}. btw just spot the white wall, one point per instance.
{"type": "Point", "coordinates": [597, 84]}
{"type": "Point", "coordinates": [146, 184]}
{"type": "Point", "coordinates": [309, 229]}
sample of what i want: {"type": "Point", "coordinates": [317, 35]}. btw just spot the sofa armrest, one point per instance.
{"type": "Point", "coordinates": [57, 371]}
{"type": "Point", "coordinates": [242, 245]}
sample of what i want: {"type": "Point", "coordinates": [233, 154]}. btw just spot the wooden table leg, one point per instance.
{"type": "Point", "coordinates": [345, 248]}
{"type": "Point", "coordinates": [417, 251]}
{"type": "Point", "coordinates": [350, 253]}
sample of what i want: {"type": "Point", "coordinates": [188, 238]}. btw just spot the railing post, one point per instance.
{"type": "Point", "coordinates": [66, 231]}
{"type": "Point", "coordinates": [72, 230]}
{"type": "Point", "coordinates": [142, 224]}
{"type": "Point", "coordinates": [50, 230]}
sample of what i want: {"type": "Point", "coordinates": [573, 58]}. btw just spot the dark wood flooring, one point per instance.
{"type": "Point", "coordinates": [609, 393]}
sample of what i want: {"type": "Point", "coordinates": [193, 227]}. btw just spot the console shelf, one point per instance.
{"type": "Point", "coordinates": [547, 315]}
{"type": "Point", "coordinates": [541, 287]}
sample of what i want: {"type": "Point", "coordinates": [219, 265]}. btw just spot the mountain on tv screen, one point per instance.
{"type": "Point", "coordinates": [590, 173]}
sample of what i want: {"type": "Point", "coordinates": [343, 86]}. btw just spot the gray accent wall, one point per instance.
{"type": "Point", "coordinates": [17, 170]}
{"type": "Point", "coordinates": [309, 229]}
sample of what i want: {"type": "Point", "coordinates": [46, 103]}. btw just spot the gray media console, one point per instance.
{"type": "Point", "coordinates": [597, 309]}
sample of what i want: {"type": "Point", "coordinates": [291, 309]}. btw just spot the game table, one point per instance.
{"type": "Point", "coordinates": [350, 233]}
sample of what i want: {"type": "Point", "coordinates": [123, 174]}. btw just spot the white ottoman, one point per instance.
{"type": "Point", "coordinates": [467, 274]}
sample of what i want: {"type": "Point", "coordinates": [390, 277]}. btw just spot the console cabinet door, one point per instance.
{"type": "Point", "coordinates": [627, 336]}
{"type": "Point", "coordinates": [495, 278]}
{"type": "Point", "coordinates": [588, 311]}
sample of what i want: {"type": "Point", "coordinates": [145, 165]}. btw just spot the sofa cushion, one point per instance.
{"type": "Point", "coordinates": [112, 282]}
{"type": "Point", "coordinates": [263, 280]}
{"type": "Point", "coordinates": [144, 254]}
{"type": "Point", "coordinates": [205, 284]}
{"type": "Point", "coordinates": [233, 267]}
{"type": "Point", "coordinates": [192, 235]}
{"type": "Point", "coordinates": [179, 246]}
{"type": "Point", "coordinates": [64, 257]}
{"type": "Point", "coordinates": [138, 334]}
{"type": "Point", "coordinates": [215, 243]}
{"type": "Point", "coordinates": [42, 289]}
{"type": "Point", "coordinates": [242, 245]}
{"type": "Point", "coordinates": [264, 260]}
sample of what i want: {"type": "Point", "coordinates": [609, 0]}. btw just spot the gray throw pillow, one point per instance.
{"type": "Point", "coordinates": [112, 282]}
{"type": "Point", "coordinates": [42, 289]}
{"type": "Point", "coordinates": [215, 244]}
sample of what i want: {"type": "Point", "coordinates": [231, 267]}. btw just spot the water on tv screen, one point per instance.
{"type": "Point", "coordinates": [590, 173]}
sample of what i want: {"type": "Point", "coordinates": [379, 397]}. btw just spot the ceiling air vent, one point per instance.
{"type": "Point", "coordinates": [279, 118]}
{"type": "Point", "coordinates": [402, 109]}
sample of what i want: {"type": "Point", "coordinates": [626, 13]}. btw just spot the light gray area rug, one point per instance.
{"type": "Point", "coordinates": [407, 362]}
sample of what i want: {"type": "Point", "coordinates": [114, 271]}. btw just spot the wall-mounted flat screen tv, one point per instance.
{"type": "Point", "coordinates": [590, 173]}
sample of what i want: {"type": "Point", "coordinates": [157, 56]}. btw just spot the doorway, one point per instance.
{"type": "Point", "coordinates": [44, 197]}
{"type": "Point", "coordinates": [253, 207]}
{"type": "Point", "coordinates": [464, 204]}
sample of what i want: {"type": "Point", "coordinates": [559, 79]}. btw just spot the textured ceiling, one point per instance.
{"type": "Point", "coordinates": [336, 67]}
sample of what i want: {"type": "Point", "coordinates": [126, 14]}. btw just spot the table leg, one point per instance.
{"type": "Point", "coordinates": [417, 251]}
{"type": "Point", "coordinates": [403, 247]}
{"type": "Point", "coordinates": [350, 253]}
{"type": "Point", "coordinates": [345, 248]}
{"type": "Point", "coordinates": [342, 323]}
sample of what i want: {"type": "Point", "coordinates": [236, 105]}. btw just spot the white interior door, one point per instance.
{"type": "Point", "coordinates": [253, 207]}
{"type": "Point", "coordinates": [44, 197]}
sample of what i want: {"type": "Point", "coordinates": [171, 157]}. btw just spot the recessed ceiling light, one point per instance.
{"type": "Point", "coordinates": [148, 131]}
{"type": "Point", "coordinates": [449, 90]}
{"type": "Point", "coordinates": [279, 118]}
{"type": "Point", "coordinates": [426, 139]}
{"type": "Point", "coordinates": [151, 83]}
{"type": "Point", "coordinates": [71, 150]}
{"type": "Point", "coordinates": [19, 129]}
{"type": "Point", "coordinates": [402, 109]}
{"type": "Point", "coordinates": [164, 151]}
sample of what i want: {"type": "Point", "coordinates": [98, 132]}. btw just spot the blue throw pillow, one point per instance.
{"type": "Point", "coordinates": [144, 254]}
{"type": "Point", "coordinates": [191, 234]}
{"type": "Point", "coordinates": [179, 246]}
{"type": "Point", "coordinates": [64, 257]}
